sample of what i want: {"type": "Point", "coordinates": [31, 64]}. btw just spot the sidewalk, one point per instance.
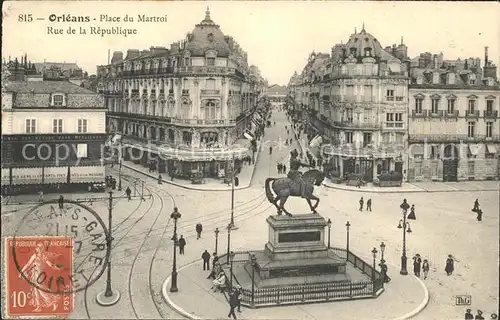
{"type": "Point", "coordinates": [245, 177]}
{"type": "Point", "coordinates": [404, 297]}
{"type": "Point", "coordinates": [464, 186]}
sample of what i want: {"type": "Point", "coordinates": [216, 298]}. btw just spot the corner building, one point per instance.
{"type": "Point", "coordinates": [454, 124]}
{"type": "Point", "coordinates": [189, 103]}
{"type": "Point", "coordinates": [53, 132]}
{"type": "Point", "coordinates": [356, 99]}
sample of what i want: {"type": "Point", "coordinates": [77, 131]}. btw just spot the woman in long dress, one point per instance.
{"type": "Point", "coordinates": [37, 263]}
{"type": "Point", "coordinates": [450, 265]}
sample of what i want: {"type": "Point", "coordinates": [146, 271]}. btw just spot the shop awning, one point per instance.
{"type": "Point", "coordinates": [248, 135]}
{"type": "Point", "coordinates": [202, 155]}
{"type": "Point", "coordinates": [490, 147]}
{"type": "Point", "coordinates": [346, 151]}
{"type": "Point", "coordinates": [316, 142]}
{"type": "Point", "coordinates": [87, 174]}
{"type": "Point", "coordinates": [5, 176]}
{"type": "Point", "coordinates": [474, 149]}
{"type": "Point", "coordinates": [22, 176]}
{"type": "Point", "coordinates": [55, 174]}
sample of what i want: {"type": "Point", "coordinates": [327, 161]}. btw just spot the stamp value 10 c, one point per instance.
{"type": "Point", "coordinates": [38, 276]}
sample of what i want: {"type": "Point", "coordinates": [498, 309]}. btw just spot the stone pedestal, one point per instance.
{"type": "Point", "coordinates": [296, 253]}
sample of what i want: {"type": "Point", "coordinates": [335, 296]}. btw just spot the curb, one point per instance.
{"type": "Point", "coordinates": [170, 303]}
{"type": "Point", "coordinates": [191, 316]}
{"type": "Point", "coordinates": [405, 191]}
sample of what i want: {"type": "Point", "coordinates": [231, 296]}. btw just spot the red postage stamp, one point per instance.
{"type": "Point", "coordinates": [38, 272]}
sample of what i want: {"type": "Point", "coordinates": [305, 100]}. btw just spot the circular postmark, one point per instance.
{"type": "Point", "coordinates": [60, 250]}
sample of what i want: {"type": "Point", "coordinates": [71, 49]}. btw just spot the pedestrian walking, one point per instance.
{"type": "Point", "coordinates": [479, 315]}
{"type": "Point", "coordinates": [450, 267]}
{"type": "Point", "coordinates": [199, 229]}
{"type": "Point", "coordinates": [361, 202]}
{"type": "Point", "coordinates": [206, 260]}
{"type": "Point", "coordinates": [476, 206]}
{"type": "Point", "coordinates": [40, 195]}
{"type": "Point", "coordinates": [182, 244]}
{"type": "Point", "coordinates": [233, 303]}
{"type": "Point", "coordinates": [128, 192]}
{"type": "Point", "coordinates": [425, 268]}
{"type": "Point", "coordinates": [468, 315]}
{"type": "Point", "coordinates": [270, 150]}
{"type": "Point", "coordinates": [61, 202]}
{"type": "Point", "coordinates": [383, 270]}
{"type": "Point", "coordinates": [278, 167]}
{"type": "Point", "coordinates": [417, 263]}
{"type": "Point", "coordinates": [369, 205]}
{"type": "Point", "coordinates": [284, 169]}
{"type": "Point", "coordinates": [239, 292]}
{"type": "Point", "coordinates": [412, 216]}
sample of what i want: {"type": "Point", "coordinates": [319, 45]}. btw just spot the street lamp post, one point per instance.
{"type": "Point", "coordinates": [233, 176]}
{"type": "Point", "coordinates": [228, 241]}
{"type": "Point", "coordinates": [329, 223]}
{"type": "Point", "coordinates": [347, 225]}
{"type": "Point", "coordinates": [173, 285]}
{"type": "Point", "coordinates": [110, 296]}
{"type": "Point", "coordinates": [382, 249]}
{"type": "Point", "coordinates": [231, 254]}
{"type": "Point", "coordinates": [254, 262]}
{"type": "Point", "coordinates": [120, 170]}
{"type": "Point", "coordinates": [406, 228]}
{"type": "Point", "coordinates": [216, 240]}
{"type": "Point", "coordinates": [374, 252]}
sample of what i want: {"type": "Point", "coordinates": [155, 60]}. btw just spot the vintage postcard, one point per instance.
{"type": "Point", "coordinates": [250, 159]}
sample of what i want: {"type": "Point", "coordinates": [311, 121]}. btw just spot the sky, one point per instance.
{"type": "Point", "coordinates": [277, 35]}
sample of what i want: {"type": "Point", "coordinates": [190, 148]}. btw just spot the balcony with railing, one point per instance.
{"type": "Point", "coordinates": [451, 114]}
{"type": "Point", "coordinates": [422, 114]}
{"type": "Point", "coordinates": [472, 114]}
{"type": "Point", "coordinates": [394, 124]}
{"type": "Point", "coordinates": [365, 125]}
{"type": "Point", "coordinates": [139, 116]}
{"type": "Point", "coordinates": [436, 114]}
{"type": "Point", "coordinates": [490, 114]}
{"type": "Point", "coordinates": [451, 138]}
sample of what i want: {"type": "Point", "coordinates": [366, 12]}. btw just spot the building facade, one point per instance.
{"type": "Point", "coordinates": [454, 126]}
{"type": "Point", "coordinates": [356, 98]}
{"type": "Point", "coordinates": [52, 133]}
{"type": "Point", "coordinates": [192, 101]}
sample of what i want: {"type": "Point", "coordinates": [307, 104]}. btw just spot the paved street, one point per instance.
{"type": "Point", "coordinates": [142, 247]}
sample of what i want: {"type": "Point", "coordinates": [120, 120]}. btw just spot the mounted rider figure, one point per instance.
{"type": "Point", "coordinates": [294, 174]}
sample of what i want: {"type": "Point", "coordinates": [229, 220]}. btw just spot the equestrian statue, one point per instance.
{"type": "Point", "coordinates": [295, 184]}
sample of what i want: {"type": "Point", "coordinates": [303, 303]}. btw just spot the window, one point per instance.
{"type": "Point", "coordinates": [82, 126]}
{"type": "Point", "coordinates": [489, 129]}
{"type": "Point", "coordinates": [451, 106]}
{"type": "Point", "coordinates": [470, 168]}
{"type": "Point", "coordinates": [435, 106]}
{"type": "Point", "coordinates": [489, 106]}
{"type": "Point", "coordinates": [187, 61]}
{"type": "Point", "coordinates": [57, 100]}
{"type": "Point", "coordinates": [471, 106]}
{"type": "Point", "coordinates": [472, 81]}
{"type": "Point", "coordinates": [367, 138]}
{"type": "Point", "coordinates": [418, 106]}
{"type": "Point", "coordinates": [210, 111]}
{"type": "Point", "coordinates": [57, 126]}
{"type": "Point", "coordinates": [471, 128]}
{"type": "Point", "coordinates": [390, 95]}
{"type": "Point", "coordinates": [187, 137]}
{"type": "Point", "coordinates": [349, 117]}
{"type": "Point", "coordinates": [30, 125]}
{"type": "Point", "coordinates": [389, 117]}
{"type": "Point", "coordinates": [348, 137]}
{"type": "Point", "coordinates": [399, 117]}
{"type": "Point", "coordinates": [434, 152]}
{"type": "Point", "coordinates": [394, 120]}
{"type": "Point", "coordinates": [210, 61]}
{"type": "Point", "coordinates": [81, 150]}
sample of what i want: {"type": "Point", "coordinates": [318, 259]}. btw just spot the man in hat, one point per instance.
{"type": "Point", "coordinates": [294, 174]}
{"type": "Point", "coordinates": [468, 315]}
{"type": "Point", "coordinates": [238, 296]}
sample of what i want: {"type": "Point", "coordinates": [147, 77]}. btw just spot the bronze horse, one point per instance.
{"type": "Point", "coordinates": [286, 187]}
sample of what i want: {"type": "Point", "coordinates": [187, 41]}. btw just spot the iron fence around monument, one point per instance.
{"type": "Point", "coordinates": [310, 293]}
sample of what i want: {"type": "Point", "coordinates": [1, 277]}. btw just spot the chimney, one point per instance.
{"type": "Point", "coordinates": [435, 66]}
{"type": "Point", "coordinates": [117, 57]}
{"type": "Point", "coordinates": [132, 53]}
{"type": "Point", "coordinates": [174, 48]}
{"type": "Point", "coordinates": [17, 72]}
{"type": "Point", "coordinates": [485, 56]}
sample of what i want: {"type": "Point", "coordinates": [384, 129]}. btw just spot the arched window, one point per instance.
{"type": "Point", "coordinates": [210, 110]}
{"type": "Point", "coordinates": [368, 52]}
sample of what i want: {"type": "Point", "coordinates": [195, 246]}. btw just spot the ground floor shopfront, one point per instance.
{"type": "Point", "coordinates": [454, 162]}
{"type": "Point", "coordinates": [63, 162]}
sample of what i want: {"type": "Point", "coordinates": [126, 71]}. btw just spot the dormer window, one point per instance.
{"type": "Point", "coordinates": [210, 61]}
{"type": "Point", "coordinates": [368, 52]}
{"type": "Point", "coordinates": [58, 100]}
{"type": "Point", "coordinates": [472, 81]}
{"type": "Point", "coordinates": [353, 51]}
{"type": "Point", "coordinates": [210, 37]}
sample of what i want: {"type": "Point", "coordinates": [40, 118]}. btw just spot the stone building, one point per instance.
{"type": "Point", "coordinates": [52, 132]}
{"type": "Point", "coordinates": [454, 129]}
{"type": "Point", "coordinates": [356, 99]}
{"type": "Point", "coordinates": [189, 103]}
